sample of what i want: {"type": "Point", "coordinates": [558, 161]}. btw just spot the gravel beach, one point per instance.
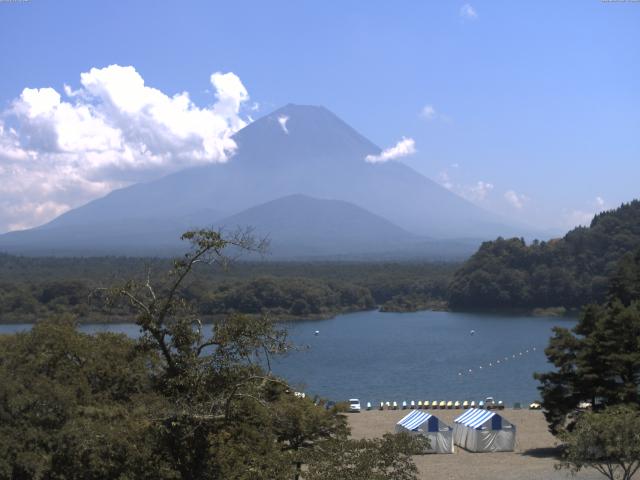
{"type": "Point", "coordinates": [533, 459]}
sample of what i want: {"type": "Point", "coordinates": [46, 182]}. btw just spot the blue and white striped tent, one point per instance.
{"type": "Point", "coordinates": [422, 423]}
{"type": "Point", "coordinates": [479, 430]}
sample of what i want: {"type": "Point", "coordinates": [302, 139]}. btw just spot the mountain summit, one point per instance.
{"type": "Point", "coordinates": [294, 150]}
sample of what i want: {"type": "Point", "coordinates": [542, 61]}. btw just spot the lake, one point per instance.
{"type": "Point", "coordinates": [378, 356]}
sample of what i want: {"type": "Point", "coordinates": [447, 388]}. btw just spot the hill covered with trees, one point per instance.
{"type": "Point", "coordinates": [33, 288]}
{"type": "Point", "coordinates": [568, 272]}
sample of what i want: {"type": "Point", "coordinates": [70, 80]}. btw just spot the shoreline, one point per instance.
{"type": "Point", "coordinates": [289, 318]}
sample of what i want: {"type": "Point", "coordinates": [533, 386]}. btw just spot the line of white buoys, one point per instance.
{"type": "Point", "coordinates": [498, 362]}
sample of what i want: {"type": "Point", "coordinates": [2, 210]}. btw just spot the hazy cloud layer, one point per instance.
{"type": "Point", "coordinates": [428, 112]}
{"type": "Point", "coordinates": [58, 151]}
{"type": "Point", "coordinates": [583, 217]}
{"type": "Point", "coordinates": [405, 147]}
{"type": "Point", "coordinates": [477, 192]}
{"type": "Point", "coordinates": [514, 199]}
{"type": "Point", "coordinates": [467, 11]}
{"type": "Point", "coordinates": [480, 190]}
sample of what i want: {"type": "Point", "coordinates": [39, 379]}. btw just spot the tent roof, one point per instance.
{"type": "Point", "coordinates": [475, 417]}
{"type": "Point", "coordinates": [414, 419]}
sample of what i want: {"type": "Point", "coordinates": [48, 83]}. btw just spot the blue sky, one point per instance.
{"type": "Point", "coordinates": [532, 107]}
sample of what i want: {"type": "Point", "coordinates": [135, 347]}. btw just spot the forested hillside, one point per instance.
{"type": "Point", "coordinates": [32, 289]}
{"type": "Point", "coordinates": [568, 272]}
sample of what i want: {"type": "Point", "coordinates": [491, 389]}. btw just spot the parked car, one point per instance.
{"type": "Point", "coordinates": [489, 403]}
{"type": "Point", "coordinates": [354, 405]}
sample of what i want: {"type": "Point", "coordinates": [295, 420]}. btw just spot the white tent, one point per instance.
{"type": "Point", "coordinates": [422, 423]}
{"type": "Point", "coordinates": [480, 430]}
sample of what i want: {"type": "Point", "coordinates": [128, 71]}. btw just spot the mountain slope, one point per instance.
{"type": "Point", "coordinates": [302, 225]}
{"type": "Point", "coordinates": [569, 272]}
{"type": "Point", "coordinates": [317, 155]}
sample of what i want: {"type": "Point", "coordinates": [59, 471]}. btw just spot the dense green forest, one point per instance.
{"type": "Point", "coordinates": [598, 360]}
{"type": "Point", "coordinates": [568, 272]}
{"type": "Point", "coordinates": [32, 288]}
{"type": "Point", "coordinates": [168, 406]}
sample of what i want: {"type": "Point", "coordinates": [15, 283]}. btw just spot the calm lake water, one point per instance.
{"type": "Point", "coordinates": [378, 356]}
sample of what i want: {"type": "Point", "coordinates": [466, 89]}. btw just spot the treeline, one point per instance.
{"type": "Point", "coordinates": [33, 288]}
{"type": "Point", "coordinates": [505, 273]}
{"type": "Point", "coordinates": [568, 272]}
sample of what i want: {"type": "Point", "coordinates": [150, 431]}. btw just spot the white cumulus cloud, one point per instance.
{"type": "Point", "coordinates": [467, 11]}
{"type": "Point", "coordinates": [405, 147]}
{"type": "Point", "coordinates": [58, 151]}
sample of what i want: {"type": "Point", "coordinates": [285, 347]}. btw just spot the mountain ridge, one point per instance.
{"type": "Point", "coordinates": [312, 152]}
